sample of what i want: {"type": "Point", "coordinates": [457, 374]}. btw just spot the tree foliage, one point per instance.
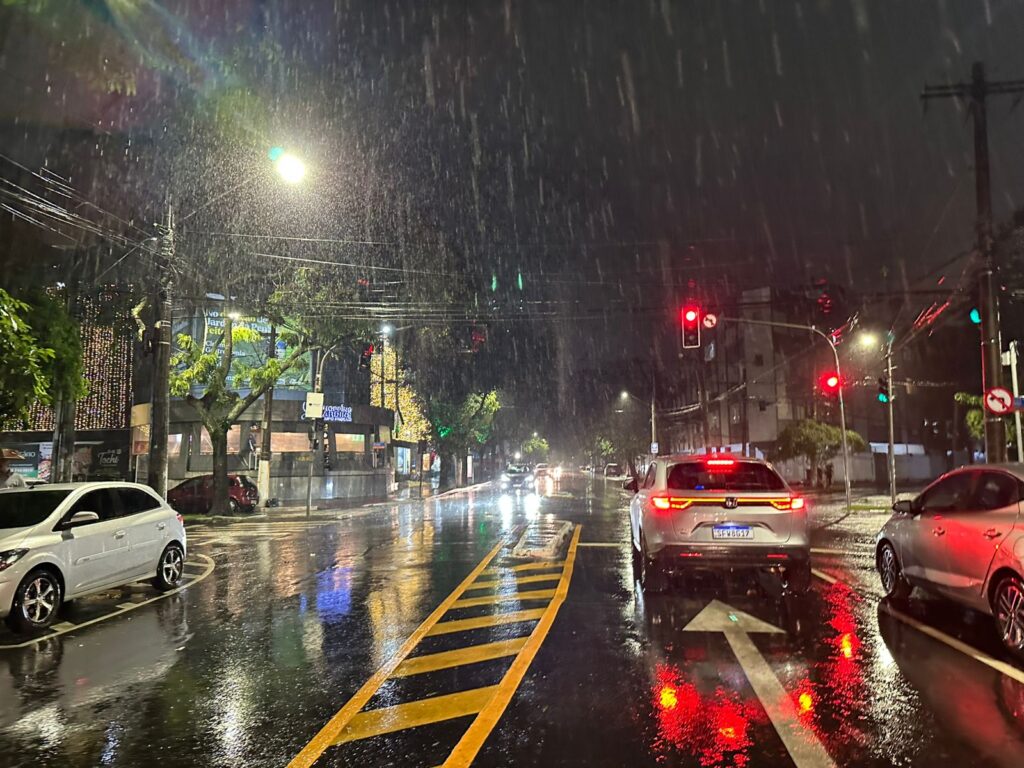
{"type": "Point", "coordinates": [814, 441]}
{"type": "Point", "coordinates": [23, 374]}
{"type": "Point", "coordinates": [536, 448]}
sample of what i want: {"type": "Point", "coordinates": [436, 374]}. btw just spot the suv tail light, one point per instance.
{"type": "Point", "coordinates": [669, 503]}
{"type": "Point", "coordinates": [793, 502]}
{"type": "Point", "coordinates": [180, 518]}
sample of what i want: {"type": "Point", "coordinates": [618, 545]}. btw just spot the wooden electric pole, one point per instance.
{"type": "Point", "coordinates": [975, 93]}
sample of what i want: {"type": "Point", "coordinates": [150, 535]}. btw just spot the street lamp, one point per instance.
{"type": "Point", "coordinates": [625, 395]}
{"type": "Point", "coordinates": [868, 339]}
{"type": "Point", "coordinates": [292, 170]}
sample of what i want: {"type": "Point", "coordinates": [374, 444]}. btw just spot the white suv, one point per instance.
{"type": "Point", "coordinates": [717, 512]}
{"type": "Point", "coordinates": [59, 542]}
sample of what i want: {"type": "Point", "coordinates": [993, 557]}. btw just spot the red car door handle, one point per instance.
{"type": "Point", "coordinates": [938, 531]}
{"type": "Point", "coordinates": [992, 533]}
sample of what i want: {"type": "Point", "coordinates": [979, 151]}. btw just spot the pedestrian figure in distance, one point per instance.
{"type": "Point", "coordinates": [821, 477]}
{"type": "Point", "coordinates": [8, 477]}
{"type": "Point", "coordinates": [828, 476]}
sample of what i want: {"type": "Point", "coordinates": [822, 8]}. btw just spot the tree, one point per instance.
{"type": "Point", "coordinates": [214, 367]}
{"type": "Point", "coordinates": [974, 418]}
{"type": "Point", "coordinates": [814, 441]}
{"type": "Point", "coordinates": [411, 423]}
{"type": "Point", "coordinates": [461, 426]}
{"type": "Point", "coordinates": [24, 372]}
{"type": "Point", "coordinates": [55, 329]}
{"type": "Point", "coordinates": [536, 448]}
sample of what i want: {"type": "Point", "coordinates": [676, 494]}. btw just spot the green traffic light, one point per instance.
{"type": "Point", "coordinates": [883, 398]}
{"type": "Point", "coordinates": [975, 316]}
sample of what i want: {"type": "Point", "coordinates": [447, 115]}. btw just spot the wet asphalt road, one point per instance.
{"type": "Point", "coordinates": [246, 666]}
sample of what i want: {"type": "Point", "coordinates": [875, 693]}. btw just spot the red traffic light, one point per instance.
{"type": "Point", "coordinates": [691, 326]}
{"type": "Point", "coordinates": [830, 383]}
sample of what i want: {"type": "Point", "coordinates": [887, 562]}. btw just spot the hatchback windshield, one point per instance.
{"type": "Point", "coordinates": [517, 469]}
{"type": "Point", "coordinates": [20, 509]}
{"type": "Point", "coordinates": [742, 476]}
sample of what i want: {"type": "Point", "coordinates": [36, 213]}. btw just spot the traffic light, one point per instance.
{"type": "Point", "coordinates": [829, 383]}
{"type": "Point", "coordinates": [883, 390]}
{"type": "Point", "coordinates": [366, 357]}
{"type": "Point", "coordinates": [975, 315]}
{"type": "Point", "coordinates": [691, 326]}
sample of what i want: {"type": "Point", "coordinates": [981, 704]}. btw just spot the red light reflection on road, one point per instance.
{"type": "Point", "coordinates": [714, 728]}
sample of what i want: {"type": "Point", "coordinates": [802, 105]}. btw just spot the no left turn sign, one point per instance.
{"type": "Point", "coordinates": [998, 401]}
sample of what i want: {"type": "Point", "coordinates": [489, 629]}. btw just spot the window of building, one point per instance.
{"type": "Point", "coordinates": [234, 441]}
{"type": "Point", "coordinates": [289, 442]}
{"type": "Point", "coordinates": [349, 443]}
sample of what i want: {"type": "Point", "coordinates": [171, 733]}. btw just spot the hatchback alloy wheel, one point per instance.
{"type": "Point", "coordinates": [40, 600]}
{"type": "Point", "coordinates": [170, 568]}
{"type": "Point", "coordinates": [1009, 612]}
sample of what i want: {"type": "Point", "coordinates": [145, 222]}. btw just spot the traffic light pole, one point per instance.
{"type": "Point", "coordinates": [889, 408]}
{"type": "Point", "coordinates": [839, 374]}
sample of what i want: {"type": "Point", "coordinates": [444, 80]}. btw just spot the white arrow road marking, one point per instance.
{"type": "Point", "coordinates": [803, 745]}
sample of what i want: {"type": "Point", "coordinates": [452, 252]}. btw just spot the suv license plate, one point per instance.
{"type": "Point", "coordinates": [732, 532]}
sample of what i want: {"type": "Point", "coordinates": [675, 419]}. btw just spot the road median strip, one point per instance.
{"type": "Point", "coordinates": [353, 723]}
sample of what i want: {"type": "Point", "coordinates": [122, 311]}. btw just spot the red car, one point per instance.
{"type": "Point", "coordinates": [195, 495]}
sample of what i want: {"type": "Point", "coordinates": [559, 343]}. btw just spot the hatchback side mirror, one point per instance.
{"type": "Point", "coordinates": [82, 518]}
{"type": "Point", "coordinates": [904, 507]}
{"type": "Point", "coordinates": [631, 485]}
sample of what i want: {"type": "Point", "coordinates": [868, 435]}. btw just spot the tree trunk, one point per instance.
{"type": "Point", "coordinates": [447, 469]}
{"type": "Point", "coordinates": [219, 440]}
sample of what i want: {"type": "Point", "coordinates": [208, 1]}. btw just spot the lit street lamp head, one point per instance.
{"type": "Point", "coordinates": [624, 395]}
{"type": "Point", "coordinates": [290, 168]}
{"type": "Point", "coordinates": [386, 329]}
{"type": "Point", "coordinates": [868, 340]}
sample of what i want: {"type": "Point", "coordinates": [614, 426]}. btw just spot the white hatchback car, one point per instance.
{"type": "Point", "coordinates": [59, 542]}
{"type": "Point", "coordinates": [962, 538]}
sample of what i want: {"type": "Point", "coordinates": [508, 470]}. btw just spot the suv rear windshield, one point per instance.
{"type": "Point", "coordinates": [20, 509]}
{"type": "Point", "coordinates": [742, 476]}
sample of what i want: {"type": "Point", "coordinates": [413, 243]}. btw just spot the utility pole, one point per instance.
{"type": "Point", "coordinates": [976, 93]}
{"type": "Point", "coordinates": [161, 406]}
{"type": "Point", "coordinates": [263, 473]}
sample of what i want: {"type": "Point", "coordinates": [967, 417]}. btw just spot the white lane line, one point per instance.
{"type": "Point", "coordinates": [959, 645]}
{"type": "Point", "coordinates": [600, 544]}
{"type": "Point", "coordinates": [824, 576]}
{"type": "Point", "coordinates": [825, 551]}
{"type": "Point", "coordinates": [803, 746]}
{"type": "Point", "coordinates": [937, 634]}
{"type": "Point", "coordinates": [66, 626]}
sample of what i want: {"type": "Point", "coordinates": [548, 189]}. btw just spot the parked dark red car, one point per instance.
{"type": "Point", "coordinates": [195, 495]}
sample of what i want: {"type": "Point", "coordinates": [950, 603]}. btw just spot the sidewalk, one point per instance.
{"type": "Point", "coordinates": [408, 495]}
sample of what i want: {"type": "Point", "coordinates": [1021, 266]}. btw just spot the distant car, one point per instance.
{"type": "Point", "coordinates": [717, 512]}
{"type": "Point", "coordinates": [613, 471]}
{"type": "Point", "coordinates": [63, 541]}
{"type": "Point", "coordinates": [541, 470]}
{"type": "Point", "coordinates": [195, 495]}
{"type": "Point", "coordinates": [962, 538]}
{"type": "Point", "coordinates": [517, 477]}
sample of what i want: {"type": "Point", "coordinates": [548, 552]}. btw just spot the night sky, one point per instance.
{"type": "Point", "coordinates": [602, 149]}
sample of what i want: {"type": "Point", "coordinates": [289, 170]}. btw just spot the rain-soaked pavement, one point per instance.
{"type": "Point", "coordinates": [275, 655]}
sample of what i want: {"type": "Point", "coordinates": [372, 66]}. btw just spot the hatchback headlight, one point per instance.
{"type": "Point", "coordinates": [10, 557]}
